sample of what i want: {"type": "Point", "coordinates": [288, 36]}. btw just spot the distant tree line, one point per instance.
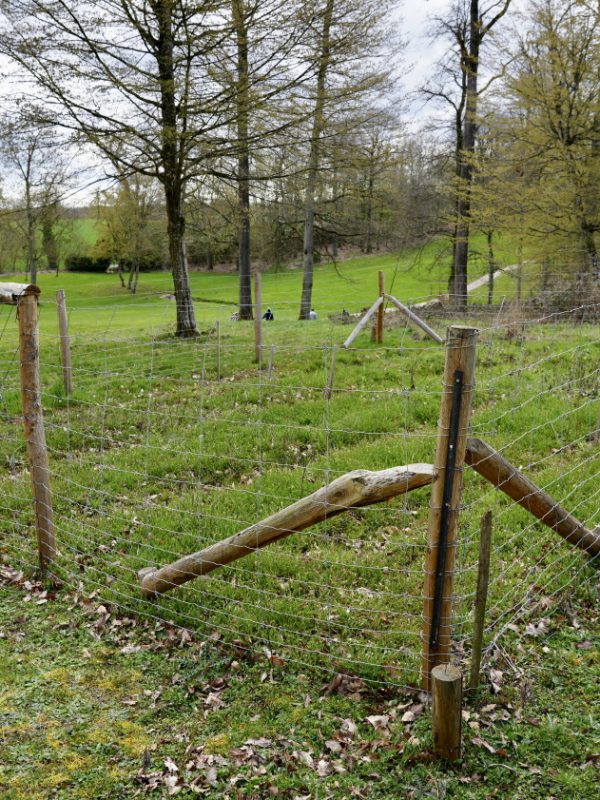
{"type": "Point", "coordinates": [264, 133]}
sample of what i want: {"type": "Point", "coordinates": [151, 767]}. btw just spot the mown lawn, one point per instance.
{"type": "Point", "coordinates": [156, 455]}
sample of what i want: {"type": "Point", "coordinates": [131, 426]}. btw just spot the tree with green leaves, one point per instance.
{"type": "Point", "coordinates": [347, 40]}
{"type": "Point", "coordinates": [134, 79]}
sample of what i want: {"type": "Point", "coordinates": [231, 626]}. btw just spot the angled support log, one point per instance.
{"type": "Point", "coordinates": [415, 319]}
{"type": "Point", "coordinates": [363, 322]}
{"type": "Point", "coordinates": [353, 490]}
{"type": "Point", "coordinates": [501, 473]}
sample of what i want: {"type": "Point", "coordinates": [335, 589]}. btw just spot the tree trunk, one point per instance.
{"type": "Point", "coordinates": [186, 318]}
{"type": "Point", "coordinates": [313, 165]}
{"type": "Point", "coordinates": [465, 173]}
{"type": "Point", "coordinates": [370, 187]}
{"type": "Point", "coordinates": [49, 239]}
{"type": "Point", "coordinates": [120, 273]}
{"type": "Point", "coordinates": [172, 178]}
{"type": "Point", "coordinates": [31, 261]}
{"type": "Point", "coordinates": [458, 133]}
{"type": "Point", "coordinates": [491, 268]}
{"type": "Point", "coordinates": [239, 11]}
{"type": "Point", "coordinates": [136, 275]}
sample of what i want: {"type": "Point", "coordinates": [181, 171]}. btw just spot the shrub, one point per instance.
{"type": "Point", "coordinates": [75, 263]}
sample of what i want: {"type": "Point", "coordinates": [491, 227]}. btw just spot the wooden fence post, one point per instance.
{"type": "Point", "coordinates": [380, 310]}
{"type": "Point", "coordinates": [33, 423]}
{"type": "Point", "coordinates": [257, 318]}
{"type": "Point", "coordinates": [455, 414]}
{"type": "Point", "coordinates": [271, 361]}
{"type": "Point", "coordinates": [331, 374]}
{"type": "Point", "coordinates": [483, 579]}
{"type": "Point", "coordinates": [65, 343]}
{"type": "Point", "coordinates": [218, 333]}
{"type": "Point", "coordinates": [446, 710]}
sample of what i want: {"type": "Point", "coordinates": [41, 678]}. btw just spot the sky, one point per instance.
{"type": "Point", "coordinates": [420, 53]}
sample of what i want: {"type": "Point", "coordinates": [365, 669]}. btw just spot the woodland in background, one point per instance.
{"type": "Point", "coordinates": [262, 134]}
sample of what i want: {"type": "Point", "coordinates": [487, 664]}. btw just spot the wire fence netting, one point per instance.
{"type": "Point", "coordinates": [166, 446]}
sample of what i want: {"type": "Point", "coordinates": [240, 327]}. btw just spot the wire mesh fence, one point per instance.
{"type": "Point", "coordinates": [167, 446]}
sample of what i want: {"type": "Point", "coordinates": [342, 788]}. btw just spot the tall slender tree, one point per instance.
{"type": "Point", "coordinates": [481, 22]}
{"type": "Point", "coordinates": [348, 40]}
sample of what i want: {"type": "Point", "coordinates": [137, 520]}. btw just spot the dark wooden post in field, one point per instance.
{"type": "Point", "coordinates": [271, 361]}
{"type": "Point", "coordinates": [446, 710]}
{"type": "Point", "coordinates": [380, 311]}
{"type": "Point", "coordinates": [218, 334]}
{"type": "Point", "coordinates": [483, 579]}
{"type": "Point", "coordinates": [65, 343]}
{"type": "Point", "coordinates": [331, 374]}
{"type": "Point", "coordinates": [455, 414]}
{"type": "Point", "coordinates": [33, 423]}
{"type": "Point", "coordinates": [257, 318]}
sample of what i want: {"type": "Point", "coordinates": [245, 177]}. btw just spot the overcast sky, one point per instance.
{"type": "Point", "coordinates": [419, 56]}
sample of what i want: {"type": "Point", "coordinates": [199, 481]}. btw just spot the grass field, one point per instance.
{"type": "Point", "coordinates": [154, 456]}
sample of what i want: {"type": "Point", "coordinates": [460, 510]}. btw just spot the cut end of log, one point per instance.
{"type": "Point", "coordinates": [144, 574]}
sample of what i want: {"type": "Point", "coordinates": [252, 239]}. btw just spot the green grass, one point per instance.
{"type": "Point", "coordinates": [153, 456]}
{"type": "Point", "coordinates": [93, 710]}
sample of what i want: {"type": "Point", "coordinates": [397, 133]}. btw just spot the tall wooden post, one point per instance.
{"type": "Point", "coordinates": [455, 414]}
{"type": "Point", "coordinates": [218, 334]}
{"type": "Point", "coordinates": [331, 374]}
{"type": "Point", "coordinates": [257, 318]}
{"type": "Point", "coordinates": [33, 422]}
{"type": "Point", "coordinates": [65, 344]}
{"type": "Point", "coordinates": [380, 310]}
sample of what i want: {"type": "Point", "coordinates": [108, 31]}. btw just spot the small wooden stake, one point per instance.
{"type": "Point", "coordinates": [271, 360]}
{"type": "Point", "coordinates": [218, 326]}
{"type": "Point", "coordinates": [65, 343]}
{"type": "Point", "coordinates": [33, 423]}
{"type": "Point", "coordinates": [380, 310]}
{"type": "Point", "coordinates": [446, 691]}
{"type": "Point", "coordinates": [257, 318]}
{"type": "Point", "coordinates": [455, 414]}
{"type": "Point", "coordinates": [483, 579]}
{"type": "Point", "coordinates": [363, 322]}
{"type": "Point", "coordinates": [331, 376]}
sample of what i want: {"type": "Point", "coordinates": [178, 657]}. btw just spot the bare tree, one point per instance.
{"type": "Point", "coordinates": [347, 44]}
{"type": "Point", "coordinates": [35, 156]}
{"type": "Point", "coordinates": [161, 115]}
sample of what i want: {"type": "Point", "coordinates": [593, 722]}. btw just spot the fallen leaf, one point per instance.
{"type": "Point", "coordinates": [378, 721]}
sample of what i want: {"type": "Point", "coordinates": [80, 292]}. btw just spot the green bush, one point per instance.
{"type": "Point", "coordinates": [147, 264]}
{"type": "Point", "coordinates": [86, 264]}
